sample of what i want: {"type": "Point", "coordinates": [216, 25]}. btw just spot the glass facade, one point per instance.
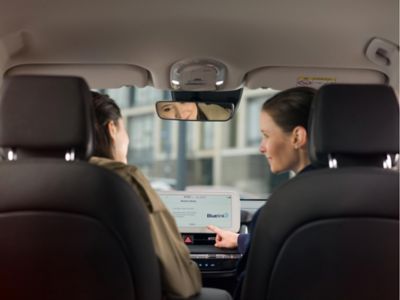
{"type": "Point", "coordinates": [166, 138]}
{"type": "Point", "coordinates": [147, 96]}
{"type": "Point", "coordinates": [217, 154]}
{"type": "Point", "coordinates": [123, 96]}
{"type": "Point", "coordinates": [254, 105]}
{"type": "Point", "coordinates": [206, 135]}
{"type": "Point", "coordinates": [140, 130]}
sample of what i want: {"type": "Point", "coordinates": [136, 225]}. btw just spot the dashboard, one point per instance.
{"type": "Point", "coordinates": [216, 262]}
{"type": "Point", "coordinates": [218, 266]}
{"type": "Point", "coordinates": [194, 210]}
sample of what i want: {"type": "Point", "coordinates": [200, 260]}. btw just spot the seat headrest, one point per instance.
{"type": "Point", "coordinates": [45, 116]}
{"type": "Point", "coordinates": [353, 120]}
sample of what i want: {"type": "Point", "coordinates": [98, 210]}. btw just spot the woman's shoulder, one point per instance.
{"type": "Point", "coordinates": [128, 172]}
{"type": "Point", "coordinates": [112, 164]}
{"type": "Point", "coordinates": [135, 177]}
{"type": "Point", "coordinates": [214, 111]}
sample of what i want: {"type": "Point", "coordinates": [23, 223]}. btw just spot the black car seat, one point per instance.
{"type": "Point", "coordinates": [68, 229]}
{"type": "Point", "coordinates": [334, 233]}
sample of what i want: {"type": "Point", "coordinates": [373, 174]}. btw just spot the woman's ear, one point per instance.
{"type": "Point", "coordinates": [299, 137]}
{"type": "Point", "coordinates": [112, 129]}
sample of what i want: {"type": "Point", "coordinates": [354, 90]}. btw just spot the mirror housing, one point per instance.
{"type": "Point", "coordinates": [210, 105]}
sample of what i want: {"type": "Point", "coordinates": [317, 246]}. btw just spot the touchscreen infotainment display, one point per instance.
{"type": "Point", "coordinates": [193, 211]}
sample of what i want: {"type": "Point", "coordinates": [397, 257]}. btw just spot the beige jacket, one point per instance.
{"type": "Point", "coordinates": [180, 275]}
{"type": "Point", "coordinates": [215, 112]}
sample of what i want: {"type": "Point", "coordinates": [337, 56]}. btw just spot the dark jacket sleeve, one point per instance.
{"type": "Point", "coordinates": [243, 242]}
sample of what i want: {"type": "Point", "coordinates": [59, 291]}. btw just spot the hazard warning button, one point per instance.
{"type": "Point", "coordinates": [188, 239]}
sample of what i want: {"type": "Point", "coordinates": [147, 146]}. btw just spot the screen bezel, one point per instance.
{"type": "Point", "coordinates": [235, 200]}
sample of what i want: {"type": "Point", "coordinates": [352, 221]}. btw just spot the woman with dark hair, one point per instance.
{"type": "Point", "coordinates": [283, 125]}
{"type": "Point", "coordinates": [179, 274]}
{"type": "Point", "coordinates": [111, 139]}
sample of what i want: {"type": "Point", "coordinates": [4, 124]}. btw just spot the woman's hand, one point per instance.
{"type": "Point", "coordinates": [224, 238]}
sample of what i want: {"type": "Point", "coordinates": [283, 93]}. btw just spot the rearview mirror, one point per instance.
{"type": "Point", "coordinates": [194, 110]}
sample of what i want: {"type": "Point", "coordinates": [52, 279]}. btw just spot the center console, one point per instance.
{"type": "Point", "coordinates": [209, 258]}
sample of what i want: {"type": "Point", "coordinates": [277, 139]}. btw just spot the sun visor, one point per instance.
{"type": "Point", "coordinates": [10, 45]}
{"type": "Point", "coordinates": [281, 78]}
{"type": "Point", "coordinates": [97, 75]}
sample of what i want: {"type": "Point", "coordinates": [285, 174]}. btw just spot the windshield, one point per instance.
{"type": "Point", "coordinates": [221, 155]}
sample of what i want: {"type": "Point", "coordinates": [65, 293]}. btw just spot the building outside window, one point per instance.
{"type": "Point", "coordinates": [215, 151]}
{"type": "Point", "coordinates": [254, 105]}
{"type": "Point", "coordinates": [148, 96]}
{"type": "Point", "coordinates": [232, 132]}
{"type": "Point", "coordinates": [140, 130]}
{"type": "Point", "coordinates": [122, 96]}
{"type": "Point", "coordinates": [253, 136]}
{"type": "Point", "coordinates": [166, 138]}
{"type": "Point", "coordinates": [207, 135]}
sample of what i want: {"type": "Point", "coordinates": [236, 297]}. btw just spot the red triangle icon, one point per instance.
{"type": "Point", "coordinates": [188, 240]}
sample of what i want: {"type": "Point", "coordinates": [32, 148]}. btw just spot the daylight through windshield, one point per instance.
{"type": "Point", "coordinates": [221, 156]}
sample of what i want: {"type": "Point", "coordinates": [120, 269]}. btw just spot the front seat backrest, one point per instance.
{"type": "Point", "coordinates": [334, 233]}
{"type": "Point", "coordinates": [68, 229]}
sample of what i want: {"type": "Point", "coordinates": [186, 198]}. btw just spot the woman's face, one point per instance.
{"type": "Point", "coordinates": [121, 142]}
{"type": "Point", "coordinates": [277, 146]}
{"type": "Point", "coordinates": [179, 110]}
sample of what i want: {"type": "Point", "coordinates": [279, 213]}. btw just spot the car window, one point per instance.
{"type": "Point", "coordinates": [222, 155]}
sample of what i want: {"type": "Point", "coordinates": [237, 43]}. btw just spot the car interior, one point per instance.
{"type": "Point", "coordinates": [345, 242]}
{"type": "Point", "coordinates": [190, 78]}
